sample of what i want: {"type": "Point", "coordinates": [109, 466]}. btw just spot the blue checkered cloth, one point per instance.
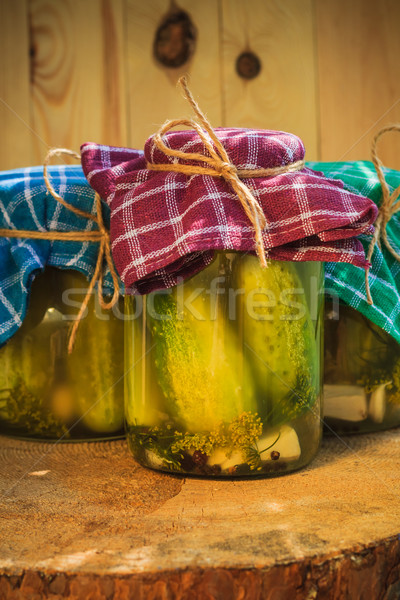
{"type": "Point", "coordinates": [25, 204]}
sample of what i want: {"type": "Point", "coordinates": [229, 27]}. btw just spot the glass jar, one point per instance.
{"type": "Point", "coordinates": [362, 373]}
{"type": "Point", "coordinates": [46, 393]}
{"type": "Point", "coordinates": [223, 371]}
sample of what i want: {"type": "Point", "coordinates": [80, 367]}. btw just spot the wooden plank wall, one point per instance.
{"type": "Point", "coordinates": [15, 99]}
{"type": "Point", "coordinates": [359, 77]}
{"type": "Point", "coordinates": [78, 89]}
{"type": "Point", "coordinates": [79, 70]}
{"type": "Point", "coordinates": [284, 95]}
{"type": "Point", "coordinates": [153, 96]}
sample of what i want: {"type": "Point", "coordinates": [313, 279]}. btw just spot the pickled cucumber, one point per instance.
{"type": "Point", "coordinates": [96, 370]}
{"type": "Point", "coordinates": [29, 379]}
{"type": "Point", "coordinates": [278, 339]}
{"type": "Point", "coordinates": [357, 352]}
{"type": "Point", "coordinates": [44, 392]}
{"type": "Point", "coordinates": [198, 358]}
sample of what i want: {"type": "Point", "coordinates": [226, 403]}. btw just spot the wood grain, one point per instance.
{"type": "Point", "coordinates": [153, 96]}
{"type": "Point", "coordinates": [15, 115]}
{"type": "Point", "coordinates": [359, 82]}
{"type": "Point", "coordinates": [86, 521]}
{"type": "Point", "coordinates": [283, 96]}
{"type": "Point", "coordinates": [78, 77]}
{"type": "Point", "coordinates": [91, 74]}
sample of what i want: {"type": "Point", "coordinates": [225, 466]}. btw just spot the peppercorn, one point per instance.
{"type": "Point", "coordinates": [275, 455]}
{"type": "Point", "coordinates": [187, 462]}
{"type": "Point", "coordinates": [210, 470]}
{"type": "Point", "coordinates": [215, 470]}
{"type": "Point", "coordinates": [199, 458]}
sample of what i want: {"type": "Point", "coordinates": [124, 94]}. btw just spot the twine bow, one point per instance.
{"type": "Point", "coordinates": [100, 235]}
{"type": "Point", "coordinates": [389, 207]}
{"type": "Point", "coordinates": [218, 164]}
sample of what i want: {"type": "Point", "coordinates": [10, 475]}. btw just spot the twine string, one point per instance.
{"type": "Point", "coordinates": [218, 164]}
{"type": "Point", "coordinates": [100, 235]}
{"type": "Point", "coordinates": [389, 206]}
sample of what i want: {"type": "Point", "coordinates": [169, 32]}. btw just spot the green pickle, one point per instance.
{"type": "Point", "coordinates": [223, 370]}
{"type": "Point", "coordinates": [362, 374]}
{"type": "Point", "coordinates": [46, 393]}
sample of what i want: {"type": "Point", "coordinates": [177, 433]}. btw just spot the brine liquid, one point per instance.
{"type": "Point", "coordinates": [223, 371]}
{"type": "Point", "coordinates": [362, 374]}
{"type": "Point", "coordinates": [46, 393]}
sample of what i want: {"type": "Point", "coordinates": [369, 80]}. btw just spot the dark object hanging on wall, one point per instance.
{"type": "Point", "coordinates": [248, 65]}
{"type": "Point", "coordinates": [175, 39]}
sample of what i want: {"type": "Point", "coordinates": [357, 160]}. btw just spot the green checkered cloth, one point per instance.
{"type": "Point", "coordinates": [347, 281]}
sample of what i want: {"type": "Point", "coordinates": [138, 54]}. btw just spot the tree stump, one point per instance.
{"type": "Point", "coordinates": [85, 521]}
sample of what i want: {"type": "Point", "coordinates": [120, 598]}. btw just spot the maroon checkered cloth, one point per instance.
{"type": "Point", "coordinates": [165, 226]}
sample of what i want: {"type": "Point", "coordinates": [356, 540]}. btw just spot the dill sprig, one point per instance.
{"type": "Point", "coordinates": [171, 445]}
{"type": "Point", "coordinates": [23, 411]}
